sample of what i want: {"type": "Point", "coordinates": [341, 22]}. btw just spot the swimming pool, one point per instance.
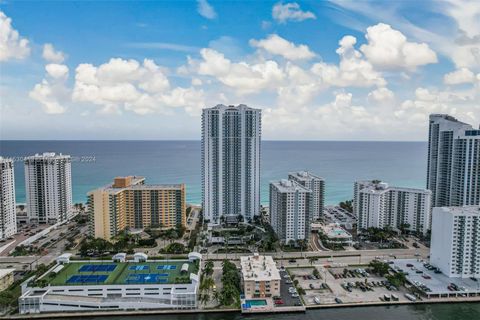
{"type": "Point", "coordinates": [254, 303]}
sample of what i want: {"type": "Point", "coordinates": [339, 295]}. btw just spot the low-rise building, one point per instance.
{"type": "Point", "coordinates": [6, 278]}
{"type": "Point", "coordinates": [261, 277]}
{"type": "Point", "coordinates": [130, 203]}
{"type": "Point", "coordinates": [334, 233]}
{"type": "Point", "coordinates": [111, 285]}
{"type": "Point", "coordinates": [455, 245]}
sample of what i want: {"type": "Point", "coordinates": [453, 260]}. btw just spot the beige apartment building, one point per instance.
{"type": "Point", "coordinates": [130, 203]}
{"type": "Point", "coordinates": [261, 277]}
{"type": "Point", "coordinates": [6, 278]}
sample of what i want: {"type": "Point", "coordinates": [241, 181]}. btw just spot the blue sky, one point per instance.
{"type": "Point", "coordinates": [319, 70]}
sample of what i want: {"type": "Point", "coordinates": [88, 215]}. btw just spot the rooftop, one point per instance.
{"type": "Point", "coordinates": [335, 231]}
{"type": "Point", "coordinates": [259, 268]}
{"type": "Point", "coordinates": [108, 272]}
{"type": "Point", "coordinates": [474, 210]}
{"type": "Point", "coordinates": [377, 186]}
{"type": "Point", "coordinates": [137, 183]}
{"type": "Point", "coordinates": [304, 175]}
{"type": "Point", "coordinates": [285, 185]}
{"type": "Point", "coordinates": [4, 272]}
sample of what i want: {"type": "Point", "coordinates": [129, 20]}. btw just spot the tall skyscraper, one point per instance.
{"type": "Point", "coordinates": [48, 183]}
{"type": "Point", "coordinates": [317, 185]}
{"type": "Point", "coordinates": [230, 163]}
{"type": "Point", "coordinates": [455, 247]}
{"type": "Point", "coordinates": [453, 173]}
{"type": "Point", "coordinates": [290, 205]}
{"type": "Point", "coordinates": [8, 220]}
{"type": "Point", "coordinates": [378, 205]}
{"type": "Point", "coordinates": [130, 203]}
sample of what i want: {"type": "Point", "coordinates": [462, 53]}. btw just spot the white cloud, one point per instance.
{"type": "Point", "coordinates": [52, 93]}
{"type": "Point", "coordinates": [242, 76]}
{"type": "Point", "coordinates": [57, 70]}
{"type": "Point", "coordinates": [277, 45]}
{"type": "Point", "coordinates": [142, 88]}
{"type": "Point", "coordinates": [206, 10]}
{"type": "Point", "coordinates": [290, 11]}
{"type": "Point", "coordinates": [12, 46]}
{"type": "Point", "coordinates": [353, 70]}
{"type": "Point", "coordinates": [51, 55]}
{"type": "Point", "coordinates": [381, 95]}
{"type": "Point", "coordinates": [467, 15]}
{"type": "Point", "coordinates": [388, 48]}
{"type": "Point", "coordinates": [459, 76]}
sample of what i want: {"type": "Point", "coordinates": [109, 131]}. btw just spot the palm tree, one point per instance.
{"type": "Point", "coordinates": [312, 260]}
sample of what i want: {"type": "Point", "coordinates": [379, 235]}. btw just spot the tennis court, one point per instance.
{"type": "Point", "coordinates": [139, 268]}
{"type": "Point", "coordinates": [87, 279]}
{"type": "Point", "coordinates": [166, 267]}
{"type": "Point", "coordinates": [147, 278]}
{"type": "Point", "coordinates": [97, 268]}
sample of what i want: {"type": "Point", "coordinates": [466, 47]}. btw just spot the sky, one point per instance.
{"type": "Point", "coordinates": [319, 70]}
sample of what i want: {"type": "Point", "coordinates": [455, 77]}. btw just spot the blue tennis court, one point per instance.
{"type": "Point", "coordinates": [166, 267]}
{"type": "Point", "coordinates": [100, 278]}
{"type": "Point", "coordinates": [146, 278]}
{"type": "Point", "coordinates": [97, 268]}
{"type": "Point", "coordinates": [139, 268]}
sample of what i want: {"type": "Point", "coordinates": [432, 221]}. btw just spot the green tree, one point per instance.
{"type": "Point", "coordinates": [378, 267]}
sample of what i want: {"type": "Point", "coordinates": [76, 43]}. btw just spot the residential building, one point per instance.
{"type": "Point", "coordinates": [48, 183]}
{"type": "Point", "coordinates": [6, 278]}
{"type": "Point", "coordinates": [290, 205]}
{"type": "Point", "coordinates": [378, 205]}
{"type": "Point", "coordinates": [317, 185]}
{"type": "Point", "coordinates": [261, 278]}
{"type": "Point", "coordinates": [455, 245]}
{"type": "Point", "coordinates": [453, 173]}
{"type": "Point", "coordinates": [230, 163]}
{"type": "Point", "coordinates": [129, 203]}
{"type": "Point", "coordinates": [117, 284]}
{"type": "Point", "coordinates": [8, 215]}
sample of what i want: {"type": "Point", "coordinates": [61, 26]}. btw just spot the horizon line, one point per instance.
{"type": "Point", "coordinates": [199, 140]}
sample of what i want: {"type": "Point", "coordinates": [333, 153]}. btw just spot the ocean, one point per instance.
{"type": "Point", "coordinates": [96, 163]}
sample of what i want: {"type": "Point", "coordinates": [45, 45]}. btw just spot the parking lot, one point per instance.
{"type": "Point", "coordinates": [348, 287]}
{"type": "Point", "coordinates": [314, 285]}
{"type": "Point", "coordinates": [285, 295]}
{"type": "Point", "coordinates": [435, 284]}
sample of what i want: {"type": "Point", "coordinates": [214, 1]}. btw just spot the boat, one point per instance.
{"type": "Point", "coordinates": [316, 300]}
{"type": "Point", "coordinates": [410, 297]}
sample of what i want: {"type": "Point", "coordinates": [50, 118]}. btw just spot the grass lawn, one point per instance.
{"type": "Point", "coordinates": [122, 272]}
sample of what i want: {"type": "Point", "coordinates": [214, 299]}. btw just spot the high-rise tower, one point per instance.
{"type": "Point", "coordinates": [230, 163]}
{"type": "Point", "coordinates": [453, 173]}
{"type": "Point", "coordinates": [48, 183]}
{"type": "Point", "coordinates": [8, 217]}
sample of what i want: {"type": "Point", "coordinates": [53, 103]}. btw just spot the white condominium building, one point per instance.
{"type": "Point", "coordinates": [317, 185]}
{"type": "Point", "coordinates": [8, 220]}
{"type": "Point", "coordinates": [48, 183]}
{"type": "Point", "coordinates": [453, 173]}
{"type": "Point", "coordinates": [230, 163]}
{"type": "Point", "coordinates": [455, 247]}
{"type": "Point", "coordinates": [378, 205]}
{"type": "Point", "coordinates": [290, 205]}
